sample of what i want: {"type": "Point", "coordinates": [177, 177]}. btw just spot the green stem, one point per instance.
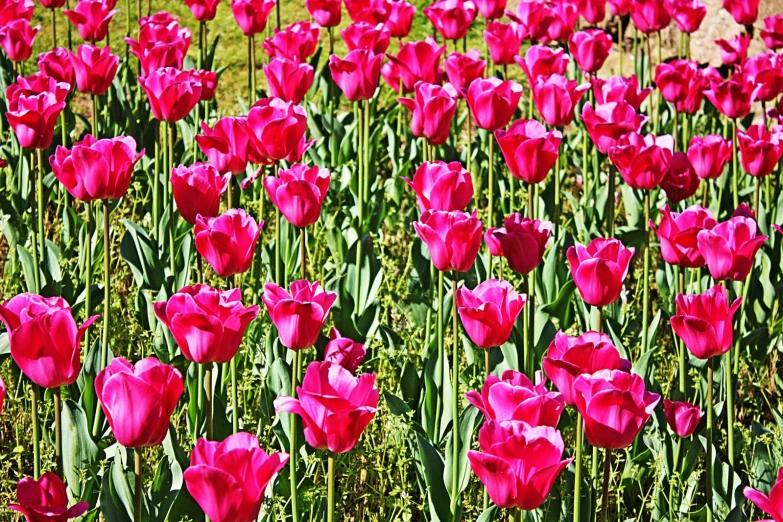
{"type": "Point", "coordinates": [455, 400]}
{"type": "Point", "coordinates": [491, 205]}
{"type": "Point", "coordinates": [293, 448]}
{"type": "Point", "coordinates": [330, 96]}
{"type": "Point", "coordinates": [39, 198]}
{"type": "Point", "coordinates": [156, 184]}
{"type": "Point", "coordinates": [558, 203]}
{"type": "Point", "coordinates": [36, 432]}
{"type": "Point", "coordinates": [88, 270]}
{"type": "Point", "coordinates": [330, 488]}
{"type": "Point", "coordinates": [620, 42]}
{"type": "Point", "coordinates": [106, 285]}
{"type": "Point", "coordinates": [441, 344]}
{"type": "Point", "coordinates": [58, 431]}
{"type": "Point", "coordinates": [578, 470]}
{"type": "Point", "coordinates": [366, 150]}
{"type": "Point", "coordinates": [360, 202]}
{"type": "Point", "coordinates": [137, 492]}
{"type": "Point", "coordinates": [682, 361]}
{"type": "Point", "coordinates": [251, 69]}
{"type": "Point", "coordinates": [675, 471]}
{"type": "Point", "coordinates": [610, 202]}
{"type": "Point", "coordinates": [710, 371]}
{"type": "Point", "coordinates": [645, 277]}
{"type": "Point", "coordinates": [607, 475]}
{"type": "Point", "coordinates": [234, 396]}
{"type": "Point", "coordinates": [94, 100]}
{"type": "Point", "coordinates": [526, 366]}
{"type": "Point", "coordinates": [734, 172]}
{"type": "Point", "coordinates": [303, 252]}
{"type": "Point", "coordinates": [170, 203]}
{"type": "Point", "coordinates": [208, 402]}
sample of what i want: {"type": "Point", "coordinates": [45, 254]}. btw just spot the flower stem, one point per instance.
{"type": "Point", "coordinates": [156, 184]}
{"type": "Point", "coordinates": [610, 202]}
{"type": "Point", "coordinates": [58, 431]}
{"type": "Point", "coordinates": [683, 368]}
{"type": "Point", "coordinates": [137, 493]}
{"type": "Point", "coordinates": [360, 203]}
{"type": "Point", "coordinates": [734, 173]}
{"type": "Point", "coordinates": [607, 475]}
{"type": "Point", "coordinates": [39, 198]}
{"type": "Point", "coordinates": [330, 96]}
{"type": "Point", "coordinates": [455, 400]}
{"type": "Point", "coordinates": [578, 470]}
{"type": "Point", "coordinates": [303, 252]}
{"type": "Point", "coordinates": [106, 285]}
{"type": "Point", "coordinates": [675, 470]}
{"type": "Point", "coordinates": [208, 397]}
{"type": "Point", "coordinates": [710, 371]}
{"type": "Point", "coordinates": [293, 449]}
{"type": "Point", "coordinates": [170, 203]}
{"type": "Point", "coordinates": [645, 276]}
{"type": "Point", "coordinates": [526, 366]}
{"type": "Point", "coordinates": [251, 69]}
{"type": "Point", "coordinates": [491, 201]}
{"type": "Point", "coordinates": [558, 202]}
{"type": "Point", "coordinates": [330, 490]}
{"type": "Point", "coordinates": [94, 100]}
{"type": "Point", "coordinates": [36, 432]}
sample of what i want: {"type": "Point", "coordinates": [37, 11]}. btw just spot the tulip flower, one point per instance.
{"type": "Point", "coordinates": [16, 38]}
{"type": "Point", "coordinates": [731, 97]}
{"type": "Point", "coordinates": [650, 16]}
{"type": "Point", "coordinates": [772, 34]}
{"type": "Point", "coordinates": [252, 15]}
{"type": "Point", "coordinates": [760, 149]}
{"type": "Point", "coordinates": [620, 7]}
{"type": "Point", "coordinates": [569, 357]}
{"type": "Point", "coordinates": [513, 397]}
{"type": "Point", "coordinates": [441, 186]}
{"type": "Point", "coordinates": [160, 45]}
{"type": "Point", "coordinates": [642, 160]}
{"type": "Point", "coordinates": [615, 407]}
{"type": "Point", "coordinates": [172, 93]}
{"type": "Point", "coordinates": [462, 69]}
{"type": "Point", "coordinates": [344, 351]}
{"type": "Point", "coordinates": [687, 14]}
{"type": "Point", "coordinates": [704, 322]}
{"type": "Point", "coordinates": [492, 102]}
{"type": "Point", "coordinates": [734, 50]}
{"type": "Point", "coordinates": [227, 242]}
{"type": "Point", "coordinates": [335, 406]}
{"type": "Point", "coordinates": [522, 241]}
{"type": "Point", "coordinates": [680, 181]}
{"type": "Point", "coordinates": [299, 193]}
{"type": "Point", "coordinates": [678, 234]}
{"type": "Point", "coordinates": [453, 238]}
{"type": "Point", "coordinates": [228, 479]}
{"type": "Point", "coordinates": [673, 78]}
{"type": "Point", "coordinates": [698, 83]}
{"type": "Point", "coordinates": [600, 269]}
{"type": "Point", "coordinates": [542, 61]}
{"type": "Point", "coordinates": [357, 74]}
{"type": "Point", "coordinates": [609, 122]}
{"type": "Point", "coordinates": [296, 42]}
{"type": "Point", "coordinates": [32, 85]}
{"type": "Point", "coordinates": [208, 81]}
{"type": "Point", "coordinates": [91, 18]}
{"type": "Point", "coordinates": [593, 11]}
{"type": "Point", "coordinates": [207, 324]}
{"type": "Point", "coordinates": [504, 41]}
{"type": "Point", "coordinates": [554, 23]}
{"type": "Point", "coordinates": [203, 10]}
{"type": "Point", "coordinates": [361, 35]}
{"type": "Point", "coordinates": [433, 109]}
{"type": "Point", "coordinates": [709, 155]}
{"type": "Point", "coordinates": [744, 12]}
{"type": "Point", "coordinates": [138, 400]}
{"type": "Point", "coordinates": [491, 9]}
{"type": "Point", "coordinates": [518, 463]}
{"type": "Point", "coordinates": [288, 80]}
{"type": "Point", "coordinates": [44, 338]}
{"type": "Point", "coordinates": [452, 18]}
{"type": "Point", "coordinates": [488, 313]}
{"type": "Point", "coordinates": [682, 417]}
{"type": "Point", "coordinates": [590, 48]}
{"type": "Point", "coordinates": [34, 119]}
{"type": "Point", "coordinates": [299, 316]}
{"type": "Point", "coordinates": [276, 128]}
{"type": "Point", "coordinates": [95, 69]}
{"type": "Point", "coordinates": [619, 89]}
{"type": "Point", "coordinates": [529, 149]}
{"type": "Point", "coordinates": [326, 13]}
{"type": "Point", "coordinates": [57, 64]}
{"type": "Point", "coordinates": [16, 9]}
{"type": "Point", "coordinates": [197, 190]}
{"type": "Point", "coordinates": [226, 145]}
{"type": "Point", "coordinates": [729, 248]}
{"type": "Point", "coordinates": [414, 62]}
{"type": "Point", "coordinates": [743, 210]}
{"type": "Point", "coordinates": [370, 11]}
{"type": "Point", "coordinates": [400, 19]}
{"type": "Point", "coordinates": [45, 499]}
{"type": "Point", "coordinates": [771, 504]}
{"type": "Point", "coordinates": [762, 76]}
{"type": "Point", "coordinates": [161, 18]}
{"type": "Point", "coordinates": [556, 99]}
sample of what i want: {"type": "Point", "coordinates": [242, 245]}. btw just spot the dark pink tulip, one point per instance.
{"type": "Point", "coordinates": [344, 351]}
{"type": "Point", "coordinates": [34, 119]}
{"type": "Point", "coordinates": [415, 62]}
{"type": "Point", "coordinates": [600, 269]}
{"type": "Point", "coordinates": [772, 34]}
{"type": "Point", "coordinates": [680, 181]}
{"type": "Point", "coordinates": [357, 74]}
{"type": "Point", "coordinates": [462, 69]}
{"type": "Point", "coordinates": [615, 407]}
{"type": "Point", "coordinates": [744, 12]}
{"type": "Point", "coordinates": [590, 48]}
{"type": "Point", "coordinates": [488, 313]}
{"type": "Point", "coordinates": [529, 149]}
{"type": "Point", "coordinates": [452, 238]}
{"type": "Point", "coordinates": [12, 10]}
{"type": "Point", "coordinates": [771, 504]}
{"type": "Point", "coordinates": [36, 83]}
{"type": "Point", "coordinates": [208, 81]}
{"type": "Point", "coordinates": [91, 18]}
{"type": "Point", "coordinates": [518, 464]}
{"type": "Point", "coordinates": [760, 149]}
{"type": "Point", "coordinates": [743, 210]}
{"type": "Point", "coordinates": [542, 61]}
{"type": "Point", "coordinates": [326, 13]}
{"type": "Point", "coordinates": [687, 14]}
{"type": "Point", "coordinates": [138, 400]}
{"type": "Point", "coordinates": [569, 357]}
{"type": "Point", "coordinates": [734, 50]}
{"type": "Point", "coordinates": [361, 35]}
{"type": "Point", "coordinates": [252, 15]}
{"type": "Point", "coordinates": [226, 145]}
{"type": "Point", "coordinates": [709, 155]}
{"type": "Point", "coordinates": [227, 242]}
{"type": "Point", "coordinates": [620, 7]}
{"type": "Point", "coordinates": [16, 38]}
{"type": "Point", "coordinates": [523, 241]}
{"type": "Point", "coordinates": [400, 19]}
{"type": "Point", "coordinates": [556, 99]}
{"type": "Point", "coordinates": [299, 193]}
{"type": "Point", "coordinates": [619, 89]}
{"type": "Point", "coordinates": [673, 79]}
{"type": "Point", "coordinates": [161, 18]}
{"type": "Point", "coordinates": [57, 64]}
{"type": "Point", "coordinates": [160, 45]}
{"type": "Point", "coordinates": [503, 41]}
{"type": "Point", "coordinates": [682, 417]}
{"type": "Point", "coordinates": [197, 190]}
{"type": "Point", "coordinates": [276, 128]}
{"type": "Point", "coordinates": [513, 397]}
{"type": "Point", "coordinates": [370, 11]}
{"type": "Point", "coordinates": [288, 80]}
{"type": "Point", "coordinates": [729, 248]}
{"type": "Point", "coordinates": [207, 324]}
{"type": "Point", "coordinates": [731, 97]}
{"type": "Point", "coordinates": [492, 102]}
{"type": "Point", "coordinates": [172, 93]}
{"type": "Point", "coordinates": [452, 18]}
{"type": "Point", "coordinates": [650, 16]}
{"type": "Point", "coordinates": [698, 82]}
{"type": "Point", "coordinates": [433, 109]}
{"type": "Point", "coordinates": [442, 186]}
{"type": "Point", "coordinates": [678, 234]}
{"type": "Point", "coordinates": [44, 338]}
{"type": "Point", "coordinates": [299, 316]}
{"type": "Point", "coordinates": [593, 11]}
{"type": "Point", "coordinates": [95, 69]}
{"type": "Point", "coordinates": [547, 22]}
{"type": "Point", "coordinates": [45, 500]}
{"type": "Point", "coordinates": [763, 75]}
{"type": "Point", "coordinates": [96, 169]}
{"type": "Point", "coordinates": [491, 9]}
{"type": "Point", "coordinates": [704, 322]}
{"type": "Point", "coordinates": [296, 42]}
{"type": "Point", "coordinates": [642, 160]}
{"type": "Point", "coordinates": [609, 122]}
{"type": "Point", "coordinates": [203, 10]}
{"type": "Point", "coordinates": [335, 406]}
{"type": "Point", "coordinates": [228, 479]}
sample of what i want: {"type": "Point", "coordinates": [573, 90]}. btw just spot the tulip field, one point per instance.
{"type": "Point", "coordinates": [372, 260]}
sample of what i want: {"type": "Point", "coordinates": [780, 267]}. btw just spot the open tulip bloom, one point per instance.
{"type": "Point", "coordinates": [45, 499]}
{"type": "Point", "coordinates": [513, 397]}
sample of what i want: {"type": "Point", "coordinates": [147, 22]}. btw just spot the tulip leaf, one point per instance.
{"type": "Point", "coordinates": [437, 492]}
{"type": "Point", "coordinates": [488, 515]}
{"type": "Point", "coordinates": [141, 254]}
{"type": "Point", "coordinates": [79, 451]}
{"type": "Point", "coordinates": [396, 405]}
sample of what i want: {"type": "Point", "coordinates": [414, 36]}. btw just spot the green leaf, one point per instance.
{"type": "Point", "coordinates": [437, 492]}
{"type": "Point", "coordinates": [396, 405]}
{"type": "Point", "coordinates": [79, 451]}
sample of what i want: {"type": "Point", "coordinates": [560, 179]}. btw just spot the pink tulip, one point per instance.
{"type": "Point", "coordinates": [357, 74]}
{"type": "Point", "coordinates": [609, 122]}
{"type": "Point", "coordinates": [673, 79]}
{"type": "Point", "coordinates": [704, 322]}
{"type": "Point", "coordinates": [729, 248]}
{"type": "Point", "coordinates": [12, 10]}
{"type": "Point", "coordinates": [299, 193]}
{"type": "Point", "coordinates": [590, 48]}
{"type": "Point", "coordinates": [743, 210]}
{"type": "Point", "coordinates": [361, 35]}
{"type": "Point", "coordinates": [569, 357]}
{"type": "Point", "coordinates": [203, 10]}
{"type": "Point", "coordinates": [556, 99]}
{"type": "Point", "coordinates": [160, 45]}
{"type": "Point", "coordinates": [453, 238]}
{"type": "Point", "coordinates": [682, 417]}
{"type": "Point", "coordinates": [503, 41]}
{"type": "Point", "coordinates": [344, 351]}
{"type": "Point", "coordinates": [650, 16]}
{"type": "Point", "coordinates": [288, 80]}
{"type": "Point", "coordinates": [763, 76]}
{"type": "Point", "coordinates": [228, 479]}
{"type": "Point", "coordinates": [276, 128]}
{"type": "Point", "coordinates": [45, 499]}
{"type": "Point", "coordinates": [642, 160]}
{"type": "Point", "coordinates": [227, 242]}
{"type": "Point", "coordinates": [36, 83]}
{"type": "Point", "coordinates": [326, 13]}
{"type": "Point", "coordinates": [542, 61]}
{"type": "Point", "coordinates": [529, 149]}
{"type": "Point", "coordinates": [441, 186]}
{"type": "Point", "coordinates": [492, 102]}
{"type": "Point", "coordinates": [771, 504]}
{"type": "Point", "coordinates": [734, 50]}
{"type": "Point", "coordinates": [161, 18]}
{"type": "Point", "coordinates": [522, 241]}
{"type": "Point", "coordinates": [687, 14]}
{"type": "Point", "coordinates": [760, 149]}
{"type": "Point", "coordinates": [731, 97]}
{"type": "Point", "coordinates": [491, 9]}
{"type": "Point", "coordinates": [400, 19]}
{"type": "Point", "coordinates": [462, 69]}
{"type": "Point", "coordinates": [593, 11]}
{"type": "Point", "coordinates": [433, 109]}
{"type": "Point", "coordinates": [172, 93]}
{"type": "Point", "coordinates": [452, 18]}
{"type": "Point", "coordinates": [57, 64]}
{"type": "Point", "coordinates": [96, 169]}
{"type": "Point", "coordinates": [680, 181]}
{"type": "Point", "coordinates": [91, 18]}
{"type": "Point", "coordinates": [518, 463]}
{"type": "Point", "coordinates": [252, 15]}
{"type": "Point", "coordinates": [414, 62]}
{"type": "Point", "coordinates": [620, 7]}
{"type": "Point", "coordinates": [744, 12]}
{"type": "Point", "coordinates": [709, 155]}
{"type": "Point", "coordinates": [370, 11]}
{"type": "Point", "coordinates": [16, 38]}
{"type": "Point", "coordinates": [772, 34]}
{"type": "Point", "coordinates": [619, 89]}
{"type": "Point", "coordinates": [488, 313]}
{"type": "Point", "coordinates": [547, 22]}
{"type": "Point", "coordinates": [698, 83]}
{"type": "Point", "coordinates": [226, 145]}
{"type": "Point", "coordinates": [95, 69]}
{"type": "Point", "coordinates": [138, 400]}
{"type": "Point", "coordinates": [600, 269]}
{"type": "Point", "coordinates": [514, 398]}
{"type": "Point", "coordinates": [34, 119]}
{"type": "Point", "coordinates": [678, 234]}
{"type": "Point", "coordinates": [44, 338]}
{"type": "Point", "coordinates": [335, 406]}
{"type": "Point", "coordinates": [197, 190]}
{"type": "Point", "coordinates": [299, 316]}
{"type": "Point", "coordinates": [208, 81]}
{"type": "Point", "coordinates": [296, 42]}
